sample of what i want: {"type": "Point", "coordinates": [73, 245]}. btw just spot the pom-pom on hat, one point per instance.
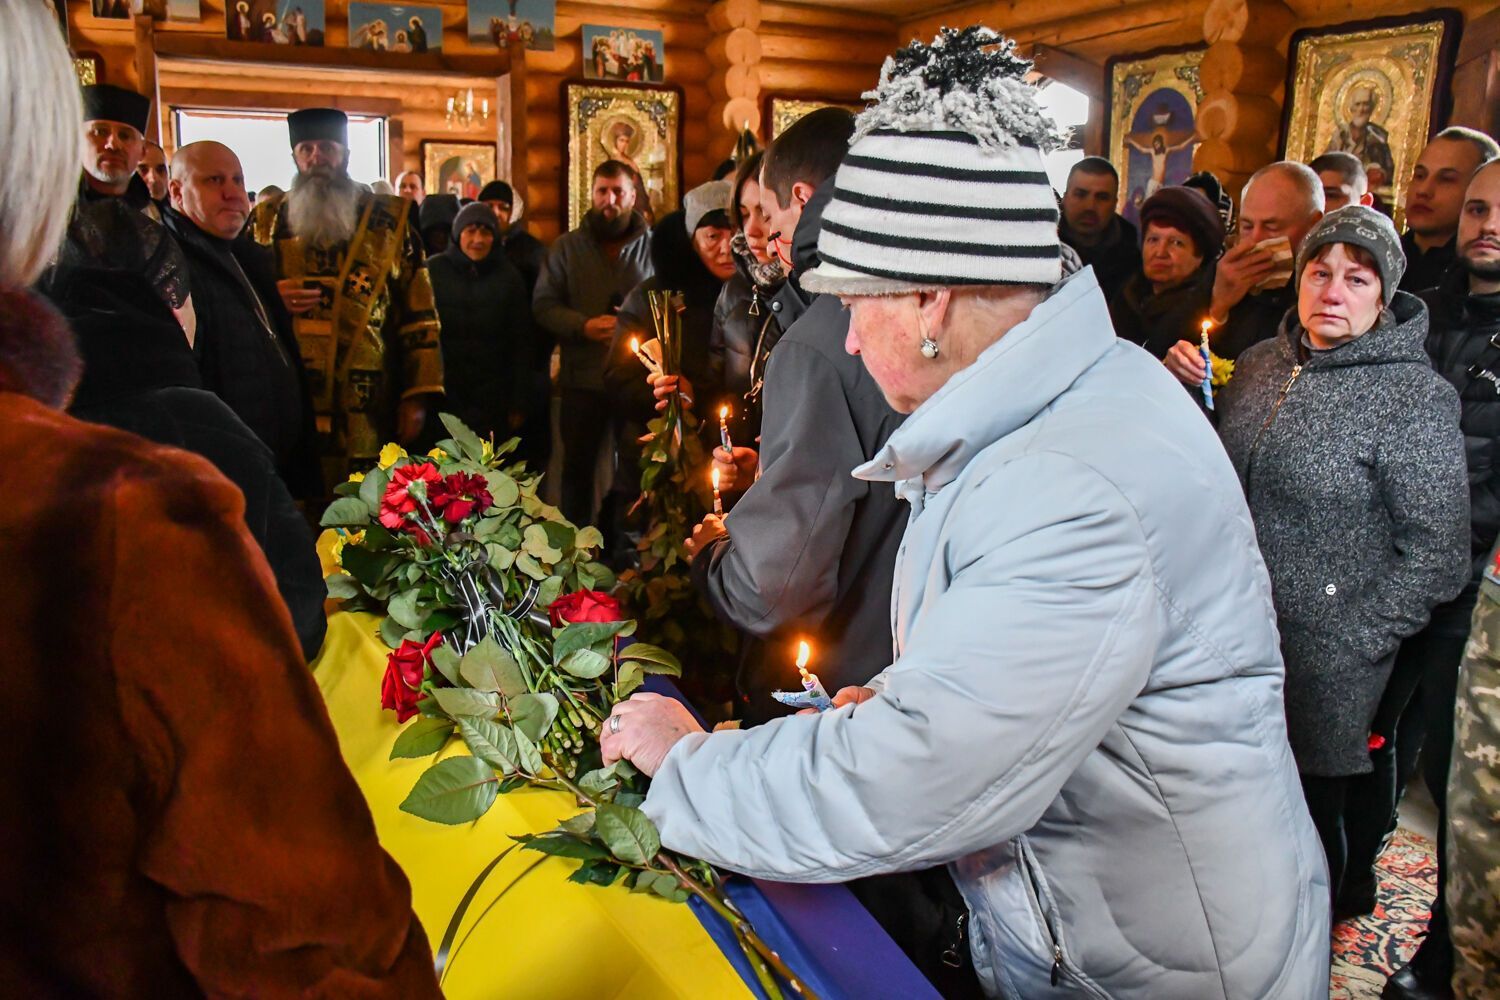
{"type": "Point", "coordinates": [105, 102]}
{"type": "Point", "coordinates": [312, 124]}
{"type": "Point", "coordinates": [944, 183]}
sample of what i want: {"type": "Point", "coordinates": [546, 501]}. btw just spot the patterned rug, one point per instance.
{"type": "Point", "coordinates": [1367, 950]}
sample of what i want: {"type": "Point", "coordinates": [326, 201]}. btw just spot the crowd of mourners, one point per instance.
{"type": "Point", "coordinates": [1222, 565]}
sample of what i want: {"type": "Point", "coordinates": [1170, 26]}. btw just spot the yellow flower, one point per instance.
{"type": "Point", "coordinates": [356, 477]}
{"type": "Point", "coordinates": [1223, 369]}
{"type": "Point", "coordinates": [345, 538]}
{"type": "Point", "coordinates": [390, 454]}
{"type": "Point", "coordinates": [486, 452]}
{"type": "Point", "coordinates": [439, 454]}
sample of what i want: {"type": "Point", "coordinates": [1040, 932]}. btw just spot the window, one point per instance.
{"type": "Point", "coordinates": [261, 141]}
{"type": "Point", "coordinates": [1070, 109]}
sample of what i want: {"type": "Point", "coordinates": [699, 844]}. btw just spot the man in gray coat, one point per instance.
{"type": "Point", "coordinates": [1084, 717]}
{"type": "Point", "coordinates": [586, 276]}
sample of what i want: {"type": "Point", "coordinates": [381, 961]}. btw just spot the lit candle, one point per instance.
{"type": "Point", "coordinates": [643, 357]}
{"type": "Point", "coordinates": [1208, 365]}
{"type": "Point", "coordinates": [718, 500]}
{"type": "Point", "coordinates": [724, 430]}
{"type": "Point", "coordinates": [810, 682]}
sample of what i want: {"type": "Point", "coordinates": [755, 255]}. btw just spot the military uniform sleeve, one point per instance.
{"type": "Point", "coordinates": [272, 878]}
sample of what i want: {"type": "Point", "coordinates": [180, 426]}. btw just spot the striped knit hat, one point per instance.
{"type": "Point", "coordinates": [944, 183]}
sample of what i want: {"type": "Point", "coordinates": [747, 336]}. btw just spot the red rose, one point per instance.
{"type": "Point", "coordinates": [404, 671]}
{"type": "Point", "coordinates": [585, 606]}
{"type": "Point", "coordinates": [408, 483]}
{"type": "Point", "coordinates": [460, 495]}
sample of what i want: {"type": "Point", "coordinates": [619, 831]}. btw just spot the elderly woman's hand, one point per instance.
{"type": "Point", "coordinates": [736, 469]}
{"type": "Point", "coordinates": [711, 528]}
{"type": "Point", "coordinates": [1185, 361]}
{"type": "Point", "coordinates": [643, 730]}
{"type": "Point", "coordinates": [845, 696]}
{"type": "Point", "coordinates": [664, 387]}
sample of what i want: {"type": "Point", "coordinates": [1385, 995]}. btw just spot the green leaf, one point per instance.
{"type": "Point", "coordinates": [532, 714]}
{"type": "Point", "coordinates": [653, 659]}
{"type": "Point", "coordinates": [527, 755]}
{"type": "Point", "coordinates": [564, 845]}
{"type": "Point", "coordinates": [588, 538]}
{"type": "Point", "coordinates": [489, 741]}
{"type": "Point", "coordinates": [585, 663]}
{"type": "Point", "coordinates": [584, 634]}
{"type": "Point", "coordinates": [445, 659]}
{"type": "Point", "coordinates": [534, 540]}
{"type": "Point", "coordinates": [366, 566]}
{"type": "Point", "coordinates": [548, 591]}
{"type": "Point", "coordinates": [462, 701]}
{"type": "Point", "coordinates": [500, 557]}
{"type": "Point", "coordinates": [596, 873]}
{"type": "Point", "coordinates": [503, 489]}
{"type": "Point", "coordinates": [422, 738]}
{"type": "Point", "coordinates": [627, 832]}
{"type": "Point", "coordinates": [455, 790]}
{"type": "Point", "coordinates": [669, 888]}
{"type": "Point", "coordinates": [560, 535]}
{"type": "Point", "coordinates": [346, 489]}
{"type": "Point", "coordinates": [508, 535]}
{"type": "Point", "coordinates": [342, 586]}
{"type": "Point", "coordinates": [631, 677]}
{"type": "Point", "coordinates": [526, 564]}
{"type": "Point", "coordinates": [596, 783]}
{"type": "Point", "coordinates": [372, 490]}
{"type": "Point", "coordinates": [467, 440]}
{"type": "Point", "coordinates": [403, 608]}
{"type": "Point", "coordinates": [346, 512]}
{"type": "Point", "coordinates": [490, 667]}
{"type": "Point", "coordinates": [581, 825]}
{"type": "Point", "coordinates": [392, 632]}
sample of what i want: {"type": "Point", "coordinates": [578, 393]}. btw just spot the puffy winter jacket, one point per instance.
{"type": "Point", "coordinates": [1084, 716]}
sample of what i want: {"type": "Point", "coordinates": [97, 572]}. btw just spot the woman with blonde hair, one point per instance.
{"type": "Point", "coordinates": [183, 823]}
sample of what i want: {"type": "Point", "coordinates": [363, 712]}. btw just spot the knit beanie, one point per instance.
{"type": "Point", "coordinates": [1364, 227]}
{"type": "Point", "coordinates": [437, 211]}
{"type": "Point", "coordinates": [707, 205]}
{"type": "Point", "coordinates": [1187, 210]}
{"type": "Point", "coordinates": [498, 191]}
{"type": "Point", "coordinates": [944, 183]}
{"type": "Point", "coordinates": [476, 213]}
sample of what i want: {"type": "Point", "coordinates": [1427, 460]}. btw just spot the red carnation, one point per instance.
{"type": "Point", "coordinates": [585, 606]}
{"type": "Point", "coordinates": [400, 690]}
{"type": "Point", "coordinates": [399, 501]}
{"type": "Point", "coordinates": [460, 495]}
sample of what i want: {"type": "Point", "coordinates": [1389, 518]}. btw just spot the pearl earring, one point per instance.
{"type": "Point", "coordinates": [929, 348]}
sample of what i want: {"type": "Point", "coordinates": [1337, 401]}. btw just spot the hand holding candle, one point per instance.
{"type": "Point", "coordinates": [1208, 366]}
{"type": "Point", "coordinates": [812, 694]}
{"type": "Point", "coordinates": [643, 357]}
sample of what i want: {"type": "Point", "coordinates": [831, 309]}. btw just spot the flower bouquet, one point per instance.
{"type": "Point", "coordinates": [499, 637]}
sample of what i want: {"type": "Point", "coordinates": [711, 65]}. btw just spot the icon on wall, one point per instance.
{"type": "Point", "coordinates": [534, 22]}
{"type": "Point", "coordinates": [275, 22]}
{"type": "Point", "coordinates": [380, 27]}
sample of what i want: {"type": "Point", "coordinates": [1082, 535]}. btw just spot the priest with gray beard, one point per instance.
{"type": "Point", "coordinates": [351, 271]}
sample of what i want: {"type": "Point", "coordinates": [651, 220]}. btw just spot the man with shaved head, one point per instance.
{"type": "Point", "coordinates": [1253, 285]}
{"type": "Point", "coordinates": [245, 347]}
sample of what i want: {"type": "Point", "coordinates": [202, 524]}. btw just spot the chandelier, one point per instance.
{"type": "Point", "coordinates": [462, 113]}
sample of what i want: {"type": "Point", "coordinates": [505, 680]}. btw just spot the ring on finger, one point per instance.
{"type": "Point", "coordinates": [614, 723]}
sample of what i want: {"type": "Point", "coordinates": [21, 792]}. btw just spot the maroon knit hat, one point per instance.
{"type": "Point", "coordinates": [1189, 210]}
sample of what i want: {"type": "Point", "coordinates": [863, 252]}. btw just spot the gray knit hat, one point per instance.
{"type": "Point", "coordinates": [475, 213]}
{"type": "Point", "coordinates": [1364, 227]}
{"type": "Point", "coordinates": [944, 183]}
{"type": "Point", "coordinates": [704, 200]}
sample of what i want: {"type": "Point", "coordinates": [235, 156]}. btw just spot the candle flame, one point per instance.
{"type": "Point", "coordinates": [716, 477]}
{"type": "Point", "coordinates": [635, 345]}
{"type": "Point", "coordinates": [1208, 325]}
{"type": "Point", "coordinates": [804, 653]}
{"type": "Point", "coordinates": [723, 412]}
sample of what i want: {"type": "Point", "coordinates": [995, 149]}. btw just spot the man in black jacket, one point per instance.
{"type": "Point", "coordinates": [1464, 325]}
{"type": "Point", "coordinates": [244, 347]}
{"type": "Point", "coordinates": [1090, 225]}
{"type": "Point", "coordinates": [1432, 202]}
{"type": "Point", "coordinates": [139, 376]}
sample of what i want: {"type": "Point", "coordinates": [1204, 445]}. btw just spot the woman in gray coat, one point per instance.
{"type": "Point", "coordinates": [1083, 717]}
{"type": "Point", "coordinates": [1348, 446]}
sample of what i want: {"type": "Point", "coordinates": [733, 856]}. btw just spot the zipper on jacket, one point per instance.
{"type": "Point", "coordinates": [1276, 406]}
{"type": "Point", "coordinates": [953, 955]}
{"type": "Point", "coordinates": [1056, 964]}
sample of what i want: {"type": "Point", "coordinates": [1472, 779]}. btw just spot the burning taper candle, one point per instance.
{"type": "Point", "coordinates": [817, 696]}
{"type": "Point", "coordinates": [718, 500]}
{"type": "Point", "coordinates": [1208, 365]}
{"type": "Point", "coordinates": [643, 357]}
{"type": "Point", "coordinates": [724, 430]}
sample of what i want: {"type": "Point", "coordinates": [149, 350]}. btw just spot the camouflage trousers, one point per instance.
{"type": "Point", "coordinates": [1474, 808]}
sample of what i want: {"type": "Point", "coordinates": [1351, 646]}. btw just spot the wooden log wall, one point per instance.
{"type": "Point", "coordinates": [725, 55]}
{"type": "Point", "coordinates": [1244, 70]}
